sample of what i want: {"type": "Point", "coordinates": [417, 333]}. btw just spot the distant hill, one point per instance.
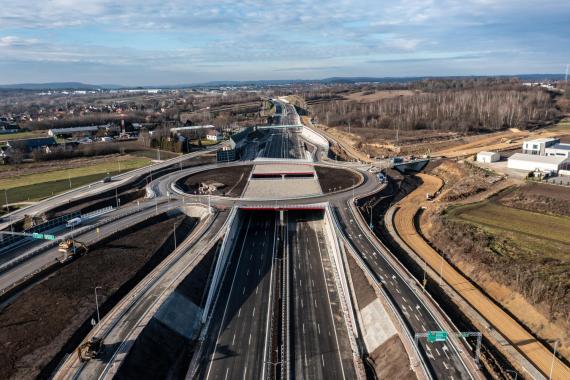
{"type": "Point", "coordinates": [270, 82]}
{"type": "Point", "coordinates": [58, 86]}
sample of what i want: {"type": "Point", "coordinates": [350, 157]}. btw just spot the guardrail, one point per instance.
{"type": "Point", "coordinates": [387, 299]}
{"type": "Point", "coordinates": [343, 291]}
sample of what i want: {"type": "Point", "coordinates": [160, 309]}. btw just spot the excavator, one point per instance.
{"type": "Point", "coordinates": [71, 248]}
{"type": "Point", "coordinates": [89, 349]}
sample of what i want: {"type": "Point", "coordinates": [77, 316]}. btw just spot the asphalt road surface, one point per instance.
{"type": "Point", "coordinates": [283, 143]}
{"type": "Point", "coordinates": [319, 339]}
{"type": "Point", "coordinates": [441, 357]}
{"type": "Point", "coordinates": [237, 345]}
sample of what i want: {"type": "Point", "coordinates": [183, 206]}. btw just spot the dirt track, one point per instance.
{"type": "Point", "coordinates": [500, 141]}
{"type": "Point", "coordinates": [502, 322]}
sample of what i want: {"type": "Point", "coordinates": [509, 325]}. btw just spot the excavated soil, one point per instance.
{"type": "Point", "coordinates": [49, 319]}
{"type": "Point", "coordinates": [233, 178]}
{"type": "Point", "coordinates": [331, 178]}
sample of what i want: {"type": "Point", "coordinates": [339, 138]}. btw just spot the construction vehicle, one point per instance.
{"type": "Point", "coordinates": [89, 349]}
{"type": "Point", "coordinates": [71, 248]}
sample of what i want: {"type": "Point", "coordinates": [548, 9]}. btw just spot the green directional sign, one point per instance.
{"type": "Point", "coordinates": [436, 336]}
{"type": "Point", "coordinates": [36, 235]}
{"type": "Point", "coordinates": [49, 237]}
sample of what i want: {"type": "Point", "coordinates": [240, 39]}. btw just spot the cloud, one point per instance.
{"type": "Point", "coordinates": [15, 41]}
{"type": "Point", "coordinates": [286, 36]}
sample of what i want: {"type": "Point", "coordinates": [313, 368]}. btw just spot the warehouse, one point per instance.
{"type": "Point", "coordinates": [488, 157]}
{"type": "Point", "coordinates": [532, 162]}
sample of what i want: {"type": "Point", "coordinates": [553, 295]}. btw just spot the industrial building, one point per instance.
{"type": "Point", "coordinates": [532, 162]}
{"type": "Point", "coordinates": [539, 146]}
{"type": "Point", "coordinates": [488, 157]}
{"type": "Point", "coordinates": [558, 150]}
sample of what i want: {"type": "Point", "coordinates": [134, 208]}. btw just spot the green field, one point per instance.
{"type": "Point", "coordinates": [205, 142]}
{"type": "Point", "coordinates": [533, 233]}
{"type": "Point", "coordinates": [21, 135]}
{"type": "Point", "coordinates": [60, 175]}
{"type": "Point", "coordinates": [34, 187]}
{"type": "Point", "coordinates": [152, 154]}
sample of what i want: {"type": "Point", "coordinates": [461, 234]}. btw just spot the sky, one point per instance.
{"type": "Point", "coordinates": [164, 42]}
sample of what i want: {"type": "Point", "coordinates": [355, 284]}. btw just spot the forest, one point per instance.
{"type": "Point", "coordinates": [446, 106]}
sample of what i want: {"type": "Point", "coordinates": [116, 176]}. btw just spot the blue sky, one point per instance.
{"type": "Point", "coordinates": [188, 41]}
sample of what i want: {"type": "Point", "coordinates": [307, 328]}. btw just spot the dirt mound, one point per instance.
{"type": "Point", "coordinates": [463, 179]}
{"type": "Point", "coordinates": [391, 360]}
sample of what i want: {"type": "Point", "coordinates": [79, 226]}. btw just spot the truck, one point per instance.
{"type": "Point", "coordinates": [70, 249]}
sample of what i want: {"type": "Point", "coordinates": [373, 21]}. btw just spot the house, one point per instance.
{"type": "Point", "coordinates": [214, 136]}
{"type": "Point", "coordinates": [488, 157]}
{"type": "Point", "coordinates": [538, 146]}
{"type": "Point", "coordinates": [533, 162]}
{"type": "Point", "coordinates": [86, 130]}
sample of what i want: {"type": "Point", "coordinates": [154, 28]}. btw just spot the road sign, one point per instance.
{"type": "Point", "coordinates": [36, 235]}
{"type": "Point", "coordinates": [49, 237]}
{"type": "Point", "coordinates": [436, 336]}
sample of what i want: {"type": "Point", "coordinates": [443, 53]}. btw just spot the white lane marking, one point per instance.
{"type": "Point", "coordinates": [249, 343]}
{"type": "Point", "coordinates": [319, 328]}
{"type": "Point", "coordinates": [445, 365]}
{"type": "Point", "coordinates": [254, 311]}
{"type": "Point", "coordinates": [234, 339]}
{"type": "Point", "coordinates": [415, 315]}
{"type": "Point", "coordinates": [227, 369]}
{"type": "Point", "coordinates": [437, 351]}
{"type": "Point", "coordinates": [330, 307]}
{"type": "Point", "coordinates": [323, 360]}
{"type": "Point", "coordinates": [228, 300]}
{"type": "Point", "coordinates": [239, 312]}
{"type": "Point", "coordinates": [256, 289]}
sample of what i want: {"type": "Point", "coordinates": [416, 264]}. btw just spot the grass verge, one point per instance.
{"type": "Point", "coordinates": [74, 174]}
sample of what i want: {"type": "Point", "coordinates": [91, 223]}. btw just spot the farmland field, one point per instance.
{"type": "Point", "coordinates": [536, 235]}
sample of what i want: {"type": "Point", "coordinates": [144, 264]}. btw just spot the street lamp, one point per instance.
{"type": "Point", "coordinates": [553, 359]}
{"type": "Point", "coordinates": [97, 304]}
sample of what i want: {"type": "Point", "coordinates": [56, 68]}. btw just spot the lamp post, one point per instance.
{"type": "Point", "coordinates": [97, 304]}
{"type": "Point", "coordinates": [553, 359]}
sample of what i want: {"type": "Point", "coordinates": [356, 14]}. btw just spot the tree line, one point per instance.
{"type": "Point", "coordinates": [464, 110]}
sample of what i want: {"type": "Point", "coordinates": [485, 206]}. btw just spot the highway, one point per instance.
{"type": "Point", "coordinates": [238, 343]}
{"type": "Point", "coordinates": [283, 143]}
{"type": "Point", "coordinates": [120, 327]}
{"type": "Point", "coordinates": [442, 358]}
{"type": "Point", "coordinates": [116, 221]}
{"type": "Point", "coordinates": [319, 339]}
{"type": "Point", "coordinates": [244, 330]}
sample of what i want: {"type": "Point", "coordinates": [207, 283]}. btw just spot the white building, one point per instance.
{"type": "Point", "coordinates": [532, 162]}
{"type": "Point", "coordinates": [488, 157]}
{"type": "Point", "coordinates": [214, 136]}
{"type": "Point", "coordinates": [558, 150]}
{"type": "Point", "coordinates": [539, 146]}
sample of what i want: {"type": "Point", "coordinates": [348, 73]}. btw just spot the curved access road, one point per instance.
{"type": "Point", "coordinates": [524, 342]}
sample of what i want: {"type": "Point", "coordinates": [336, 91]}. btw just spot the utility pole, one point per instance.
{"type": "Point", "coordinates": [553, 359]}
{"type": "Point", "coordinates": [8, 210]}
{"type": "Point", "coordinates": [116, 198]}
{"type": "Point", "coordinates": [69, 178]}
{"type": "Point", "coordinates": [441, 272]}
{"type": "Point", "coordinates": [97, 304]}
